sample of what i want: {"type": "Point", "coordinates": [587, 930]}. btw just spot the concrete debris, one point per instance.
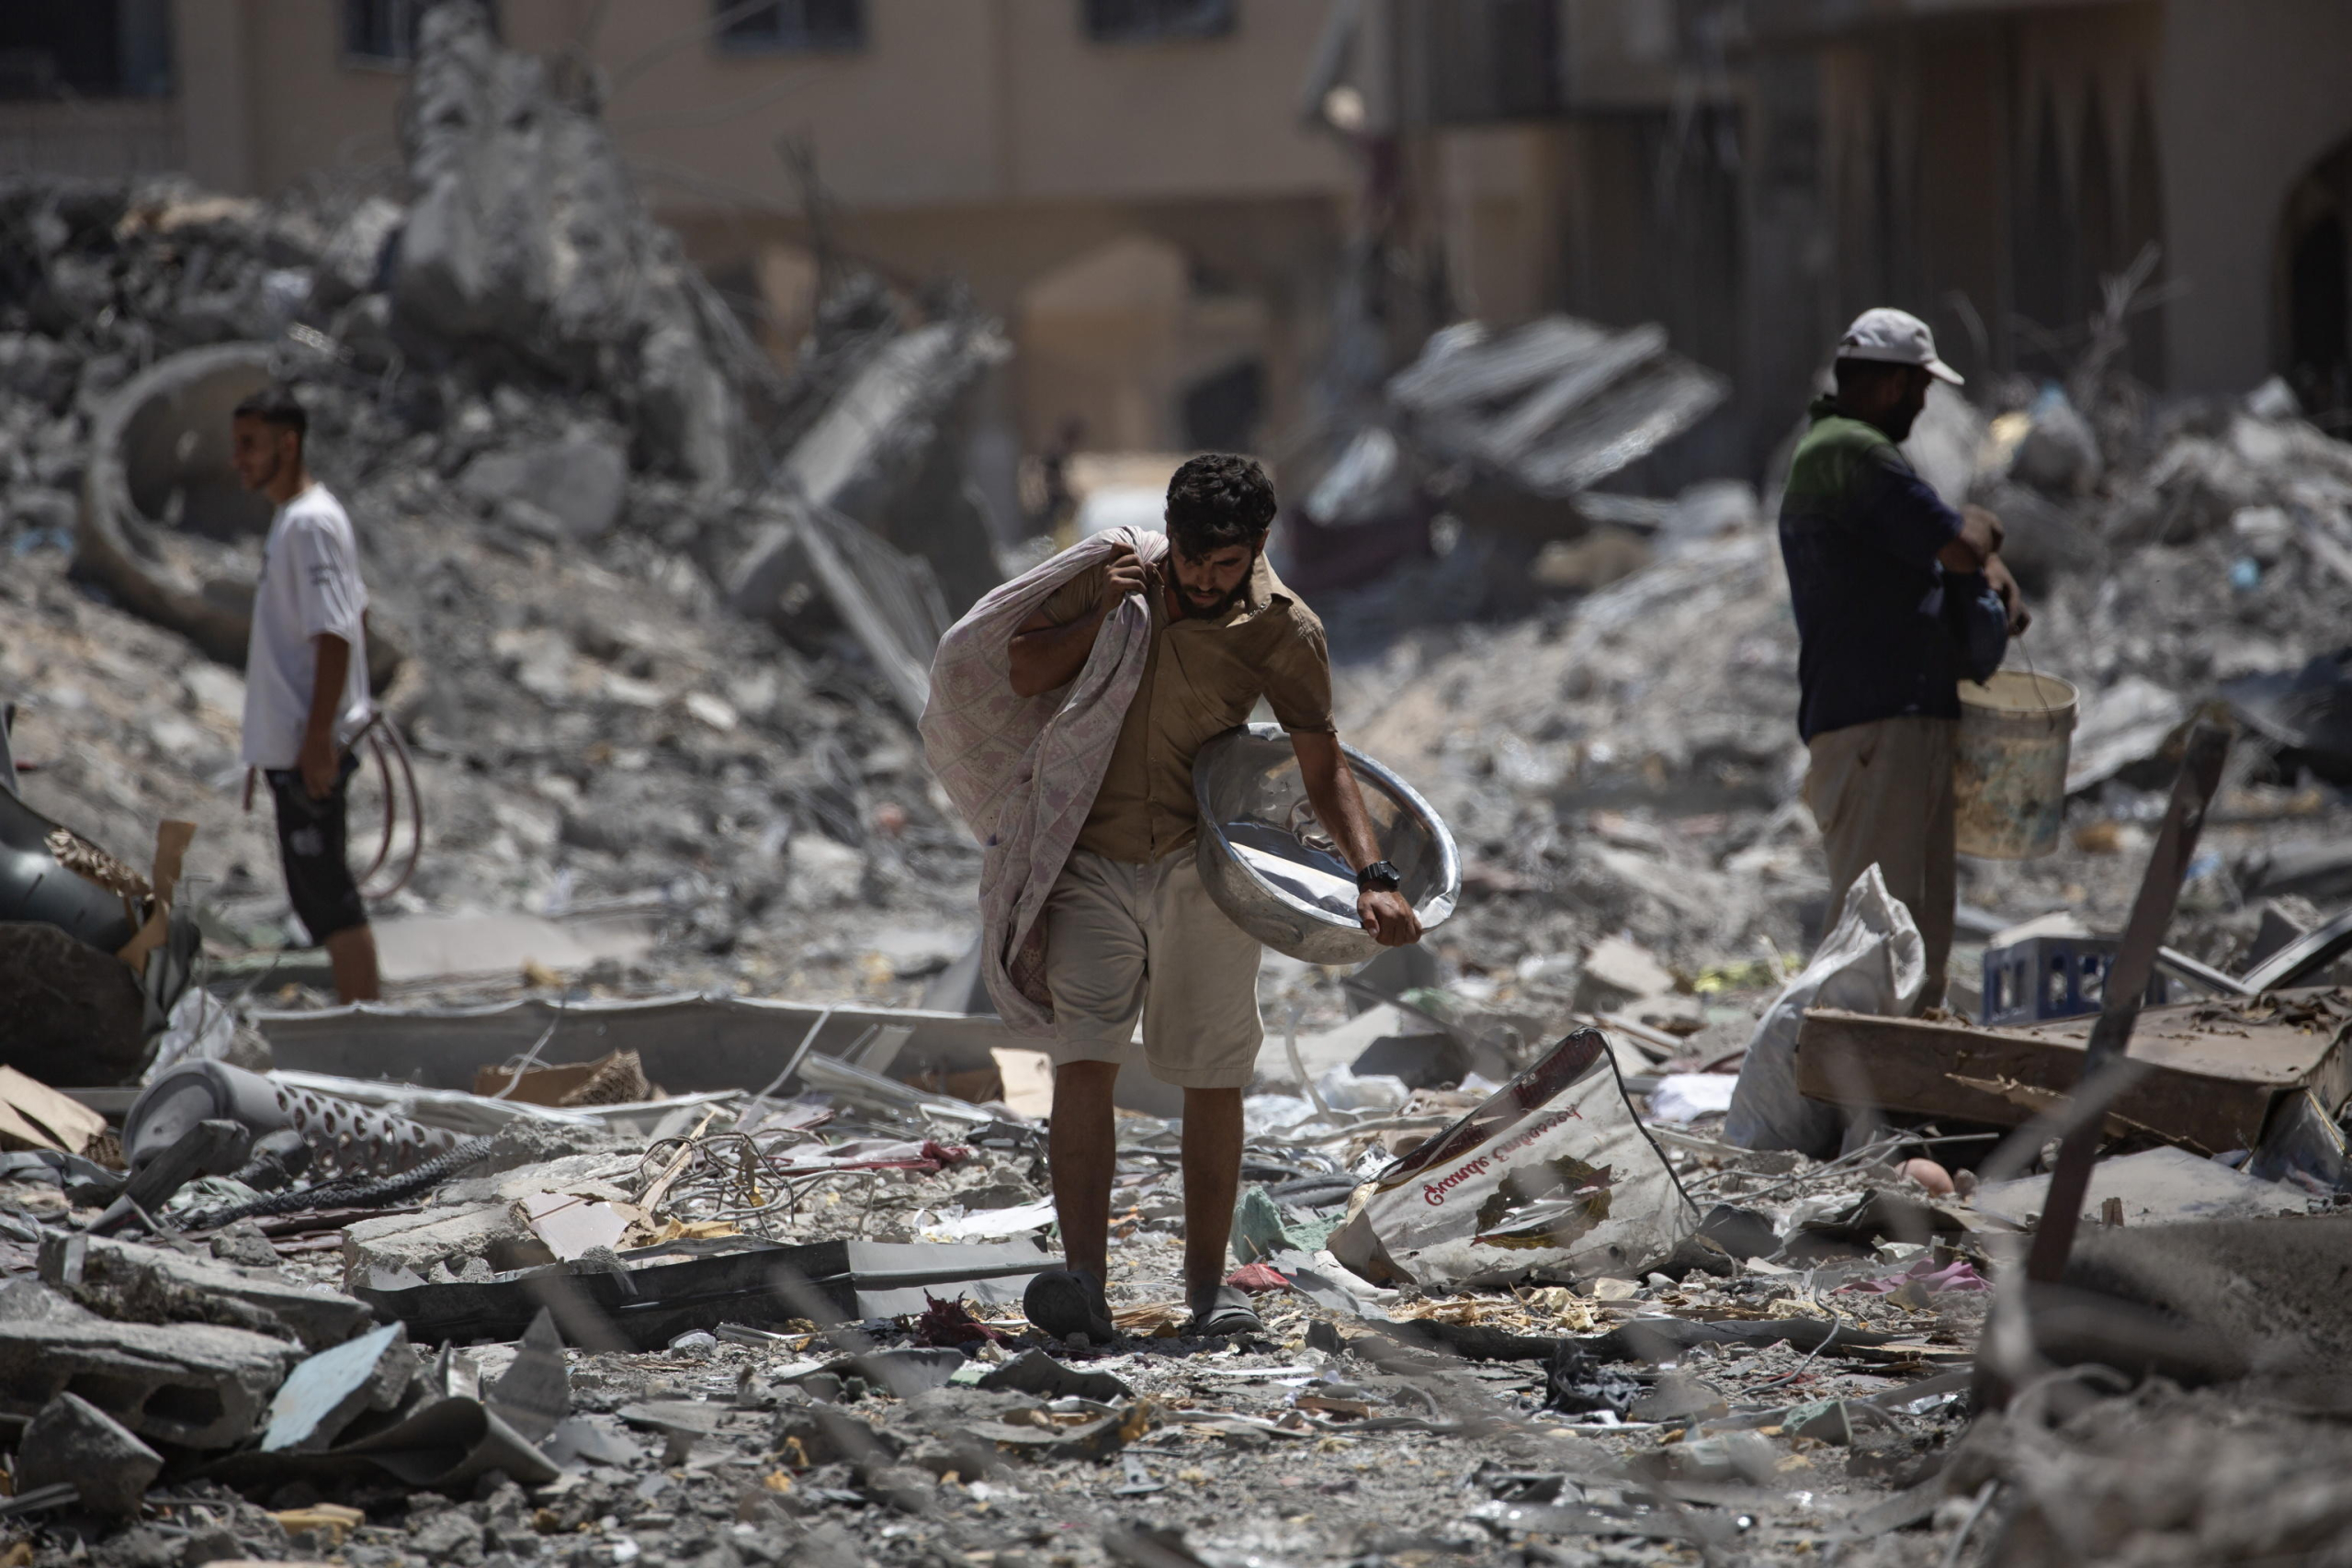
{"type": "Point", "coordinates": [194, 1385]}
{"type": "Point", "coordinates": [1555, 405]}
{"type": "Point", "coordinates": [1617, 973]}
{"type": "Point", "coordinates": [509, 365]}
{"type": "Point", "coordinates": [132, 1283]}
{"type": "Point", "coordinates": [335, 1387]}
{"type": "Point", "coordinates": [569, 489]}
{"type": "Point", "coordinates": [73, 1442]}
{"type": "Point", "coordinates": [737, 1194]}
{"type": "Point", "coordinates": [527, 233]}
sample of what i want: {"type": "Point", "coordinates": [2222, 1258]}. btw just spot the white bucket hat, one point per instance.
{"type": "Point", "coordinates": [1895, 337]}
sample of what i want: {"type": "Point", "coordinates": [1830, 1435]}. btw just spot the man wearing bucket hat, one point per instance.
{"type": "Point", "coordinates": [1897, 599]}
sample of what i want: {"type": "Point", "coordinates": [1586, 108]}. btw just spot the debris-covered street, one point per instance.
{"type": "Point", "coordinates": [639, 795]}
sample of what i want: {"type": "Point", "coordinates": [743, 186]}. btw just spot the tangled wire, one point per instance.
{"type": "Point", "coordinates": [747, 1179]}
{"type": "Point", "coordinates": [743, 1179]}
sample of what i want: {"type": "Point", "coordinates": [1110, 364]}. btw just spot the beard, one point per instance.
{"type": "Point", "coordinates": [1193, 610]}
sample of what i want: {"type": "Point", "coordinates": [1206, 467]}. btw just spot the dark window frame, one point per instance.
{"type": "Point", "coordinates": [391, 43]}
{"type": "Point", "coordinates": [793, 27]}
{"type": "Point", "coordinates": [1134, 22]}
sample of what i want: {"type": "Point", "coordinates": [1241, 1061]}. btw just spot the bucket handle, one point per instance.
{"type": "Point", "coordinates": [2048, 711]}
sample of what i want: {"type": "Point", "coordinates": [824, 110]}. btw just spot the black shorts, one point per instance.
{"type": "Point", "coordinates": [312, 844]}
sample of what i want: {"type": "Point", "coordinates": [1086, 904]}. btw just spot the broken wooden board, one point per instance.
{"type": "Point", "coordinates": [2210, 1070]}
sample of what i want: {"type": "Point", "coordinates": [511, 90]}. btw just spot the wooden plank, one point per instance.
{"type": "Point", "coordinates": [2212, 1075]}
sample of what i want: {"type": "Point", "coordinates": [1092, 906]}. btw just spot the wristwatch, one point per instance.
{"type": "Point", "coordinates": [1378, 877]}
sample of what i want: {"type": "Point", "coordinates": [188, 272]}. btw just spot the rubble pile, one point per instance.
{"type": "Point", "coordinates": [436, 1283]}
{"type": "Point", "coordinates": [774, 1329]}
{"type": "Point", "coordinates": [785, 1328]}
{"type": "Point", "coordinates": [1626, 760]}
{"type": "Point", "coordinates": [554, 438]}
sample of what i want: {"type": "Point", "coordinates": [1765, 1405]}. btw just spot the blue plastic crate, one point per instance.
{"type": "Point", "coordinates": [2038, 978]}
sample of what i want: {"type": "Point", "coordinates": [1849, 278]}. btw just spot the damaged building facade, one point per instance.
{"type": "Point", "coordinates": [1125, 185]}
{"type": "Point", "coordinates": [1753, 172]}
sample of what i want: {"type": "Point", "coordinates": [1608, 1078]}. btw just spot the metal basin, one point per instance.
{"type": "Point", "coordinates": [1272, 868]}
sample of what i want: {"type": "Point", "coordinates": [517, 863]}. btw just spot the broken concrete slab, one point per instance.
{"type": "Point", "coordinates": [73, 1442]}
{"type": "Point", "coordinates": [526, 233]}
{"type": "Point", "coordinates": [1617, 973]}
{"type": "Point", "coordinates": [1554, 405]}
{"type": "Point", "coordinates": [579, 482]}
{"type": "Point", "coordinates": [2214, 1301]}
{"type": "Point", "coordinates": [864, 452]}
{"type": "Point", "coordinates": [195, 1384]}
{"type": "Point", "coordinates": [533, 1394]}
{"type": "Point", "coordinates": [687, 1043]}
{"type": "Point", "coordinates": [2165, 1186]}
{"type": "Point", "coordinates": [425, 947]}
{"type": "Point", "coordinates": [570, 1226]}
{"type": "Point", "coordinates": [334, 1388]}
{"type": "Point", "coordinates": [131, 1282]}
{"type": "Point", "coordinates": [494, 1232]}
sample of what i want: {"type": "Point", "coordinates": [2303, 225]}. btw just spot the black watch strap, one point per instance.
{"type": "Point", "coordinates": [1379, 877]}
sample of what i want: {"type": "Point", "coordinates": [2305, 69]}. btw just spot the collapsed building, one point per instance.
{"type": "Point", "coordinates": [705, 1244]}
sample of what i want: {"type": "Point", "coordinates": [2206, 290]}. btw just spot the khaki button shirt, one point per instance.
{"type": "Point", "coordinates": [1200, 679]}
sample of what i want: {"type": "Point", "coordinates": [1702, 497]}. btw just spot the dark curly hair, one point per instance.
{"type": "Point", "coordinates": [274, 404]}
{"type": "Point", "coordinates": [1218, 499]}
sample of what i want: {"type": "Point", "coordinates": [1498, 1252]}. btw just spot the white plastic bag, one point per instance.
{"type": "Point", "coordinates": [1874, 962]}
{"type": "Point", "coordinates": [202, 1028]}
{"type": "Point", "coordinates": [1553, 1171]}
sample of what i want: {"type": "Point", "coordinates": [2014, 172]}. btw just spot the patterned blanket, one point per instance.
{"type": "Point", "coordinates": [1022, 770]}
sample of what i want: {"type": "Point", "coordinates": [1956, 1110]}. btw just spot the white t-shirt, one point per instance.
{"type": "Point", "coordinates": [309, 586]}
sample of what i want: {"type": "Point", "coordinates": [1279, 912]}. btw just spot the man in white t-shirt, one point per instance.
{"type": "Point", "coordinates": [306, 680]}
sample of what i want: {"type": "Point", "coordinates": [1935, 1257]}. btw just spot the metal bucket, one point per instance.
{"type": "Point", "coordinates": [1274, 871]}
{"type": "Point", "coordinates": [2009, 767]}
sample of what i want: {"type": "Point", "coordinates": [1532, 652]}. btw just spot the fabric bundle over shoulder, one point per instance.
{"type": "Point", "coordinates": [1022, 771]}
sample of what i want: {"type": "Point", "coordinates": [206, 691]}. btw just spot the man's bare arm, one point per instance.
{"type": "Point", "coordinates": [1979, 539]}
{"type": "Point", "coordinates": [1045, 655]}
{"type": "Point", "coordinates": [1339, 806]}
{"type": "Point", "coordinates": [319, 762]}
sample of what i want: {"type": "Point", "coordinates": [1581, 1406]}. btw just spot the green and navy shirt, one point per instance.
{"type": "Point", "coordinates": [1859, 533]}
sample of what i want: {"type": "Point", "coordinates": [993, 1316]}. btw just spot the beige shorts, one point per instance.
{"type": "Point", "coordinates": [1123, 940]}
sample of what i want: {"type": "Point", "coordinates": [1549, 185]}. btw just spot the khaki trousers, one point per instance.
{"type": "Point", "coordinates": [1881, 793]}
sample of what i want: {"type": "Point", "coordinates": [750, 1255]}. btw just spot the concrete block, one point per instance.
{"type": "Point", "coordinates": [74, 1441]}
{"type": "Point", "coordinates": [150, 1284]}
{"type": "Point", "coordinates": [1617, 972]}
{"type": "Point", "coordinates": [195, 1384]}
{"type": "Point", "coordinates": [579, 480]}
{"type": "Point", "coordinates": [416, 1242]}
